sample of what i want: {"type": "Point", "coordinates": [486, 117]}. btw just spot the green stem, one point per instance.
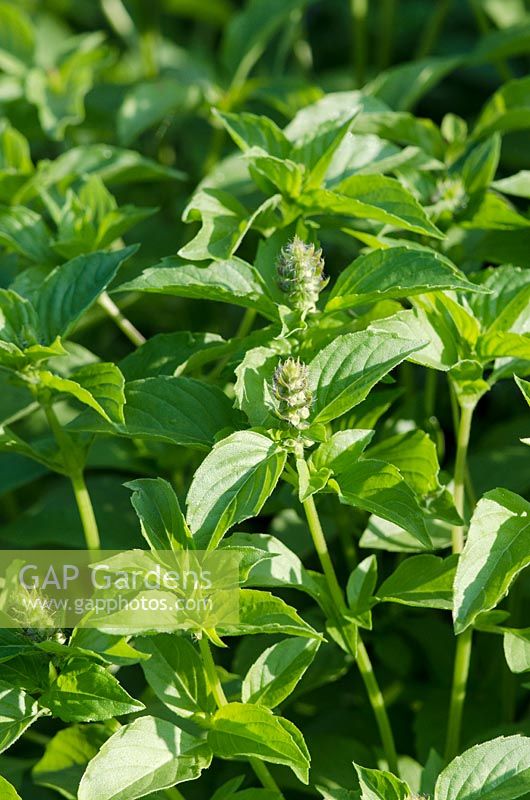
{"type": "Point", "coordinates": [124, 324]}
{"type": "Point", "coordinates": [386, 37]}
{"type": "Point", "coordinates": [462, 444]}
{"type": "Point", "coordinates": [173, 794]}
{"type": "Point", "coordinates": [464, 641]}
{"type": "Point", "coordinates": [356, 648]}
{"type": "Point", "coordinates": [261, 771]}
{"type": "Point", "coordinates": [464, 644]}
{"type": "Point", "coordinates": [247, 321]}
{"type": "Point", "coordinates": [433, 28]}
{"type": "Point", "coordinates": [86, 511]}
{"type": "Point", "coordinates": [359, 11]}
{"type": "Point", "coordinates": [75, 473]}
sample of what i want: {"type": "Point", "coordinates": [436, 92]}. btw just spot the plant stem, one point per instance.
{"type": "Point", "coordinates": [432, 29]}
{"type": "Point", "coordinates": [464, 644]}
{"type": "Point", "coordinates": [464, 430]}
{"type": "Point", "coordinates": [173, 794]}
{"type": "Point", "coordinates": [357, 648]}
{"type": "Point", "coordinates": [247, 321]}
{"type": "Point", "coordinates": [86, 511]}
{"type": "Point", "coordinates": [377, 702]}
{"type": "Point", "coordinates": [261, 771]}
{"type": "Point", "coordinates": [124, 324]}
{"type": "Point", "coordinates": [359, 11]}
{"type": "Point", "coordinates": [464, 641]}
{"type": "Point", "coordinates": [75, 473]}
{"type": "Point", "coordinates": [386, 37]}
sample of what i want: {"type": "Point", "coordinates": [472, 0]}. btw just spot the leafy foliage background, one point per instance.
{"type": "Point", "coordinates": [154, 160]}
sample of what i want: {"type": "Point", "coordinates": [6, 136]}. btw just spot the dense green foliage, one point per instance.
{"type": "Point", "coordinates": [265, 289]}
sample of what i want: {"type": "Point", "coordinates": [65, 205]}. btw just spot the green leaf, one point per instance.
{"type": "Point", "coordinates": [342, 374]}
{"type": "Point", "coordinates": [252, 131]}
{"type": "Point", "coordinates": [176, 674]}
{"type": "Point", "coordinates": [423, 581]}
{"type": "Point", "coordinates": [517, 649]}
{"type": "Point", "coordinates": [85, 692]}
{"type": "Point", "coordinates": [277, 671]}
{"type": "Point", "coordinates": [401, 87]}
{"type": "Point", "coordinates": [166, 354]}
{"type": "Point", "coordinates": [496, 550]}
{"type": "Point", "coordinates": [415, 455]}
{"type": "Point", "coordinates": [231, 281]}
{"type": "Point", "coordinates": [170, 409]}
{"type": "Point", "coordinates": [66, 756]}
{"type": "Point", "coordinates": [285, 175]}
{"type": "Point", "coordinates": [395, 272]}
{"type": "Point", "coordinates": [17, 712]}
{"type": "Point", "coordinates": [99, 386]}
{"type": "Point", "coordinates": [158, 509]}
{"type": "Point", "coordinates": [248, 33]}
{"type": "Point", "coordinates": [342, 449]}
{"type": "Point", "coordinates": [147, 104]}
{"type": "Point", "coordinates": [242, 731]}
{"type": "Point", "coordinates": [69, 290]}
{"type": "Point", "coordinates": [253, 385]}
{"type": "Point", "coordinates": [503, 309]}
{"type": "Point", "coordinates": [8, 791]}
{"type": "Point", "coordinates": [283, 569]}
{"type": "Point", "coordinates": [480, 166]}
{"type": "Point", "coordinates": [225, 222]}
{"type": "Point", "coordinates": [59, 94]}
{"type": "Point", "coordinates": [524, 386]}
{"type": "Point", "coordinates": [380, 488]}
{"type": "Point", "coordinates": [517, 185]}
{"type": "Point", "coordinates": [152, 754]}
{"type": "Point", "coordinates": [360, 591]}
{"type": "Point", "coordinates": [507, 110]}
{"type": "Point", "coordinates": [262, 612]}
{"type": "Point", "coordinates": [23, 231]}
{"type": "Point", "coordinates": [495, 770]}
{"type": "Point", "coordinates": [232, 484]}
{"type": "Point", "coordinates": [374, 197]}
{"type": "Point", "coordinates": [113, 165]}
{"type": "Point", "coordinates": [19, 324]}
{"type": "Point", "coordinates": [17, 40]}
{"type": "Point", "coordinates": [378, 785]}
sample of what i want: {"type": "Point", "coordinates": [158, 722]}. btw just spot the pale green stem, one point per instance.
{"type": "Point", "coordinates": [464, 641]}
{"type": "Point", "coordinates": [119, 18]}
{"type": "Point", "coordinates": [173, 794]}
{"type": "Point", "coordinates": [359, 11]}
{"type": "Point", "coordinates": [75, 473]}
{"type": "Point", "coordinates": [124, 324]}
{"type": "Point", "coordinates": [356, 648]}
{"type": "Point", "coordinates": [261, 771]}
{"type": "Point", "coordinates": [86, 511]}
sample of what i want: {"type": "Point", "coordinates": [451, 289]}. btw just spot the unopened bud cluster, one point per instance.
{"type": "Point", "coordinates": [291, 393]}
{"type": "Point", "coordinates": [300, 270]}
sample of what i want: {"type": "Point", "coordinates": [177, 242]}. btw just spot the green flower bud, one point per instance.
{"type": "Point", "coordinates": [27, 607]}
{"type": "Point", "coordinates": [291, 393]}
{"type": "Point", "coordinates": [300, 270]}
